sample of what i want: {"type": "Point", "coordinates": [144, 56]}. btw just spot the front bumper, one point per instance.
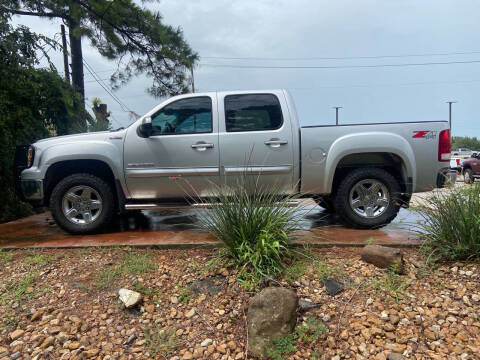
{"type": "Point", "coordinates": [31, 190]}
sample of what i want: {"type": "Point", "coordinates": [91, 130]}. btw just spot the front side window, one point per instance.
{"type": "Point", "coordinates": [252, 112]}
{"type": "Point", "coordinates": [186, 116]}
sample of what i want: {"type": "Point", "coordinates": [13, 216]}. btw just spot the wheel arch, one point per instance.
{"type": "Point", "coordinates": [61, 169]}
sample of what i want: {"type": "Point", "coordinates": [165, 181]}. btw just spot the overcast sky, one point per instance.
{"type": "Point", "coordinates": [302, 30]}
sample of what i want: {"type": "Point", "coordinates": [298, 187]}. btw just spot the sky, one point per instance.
{"type": "Point", "coordinates": [349, 42]}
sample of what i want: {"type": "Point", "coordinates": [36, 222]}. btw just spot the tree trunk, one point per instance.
{"type": "Point", "coordinates": [77, 60]}
{"type": "Point", "coordinates": [77, 72]}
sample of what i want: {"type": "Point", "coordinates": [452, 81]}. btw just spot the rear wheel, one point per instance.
{"type": "Point", "coordinates": [468, 176]}
{"type": "Point", "coordinates": [367, 198]}
{"type": "Point", "coordinates": [82, 203]}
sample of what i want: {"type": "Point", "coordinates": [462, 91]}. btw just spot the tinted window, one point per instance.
{"type": "Point", "coordinates": [252, 112]}
{"type": "Point", "coordinates": [186, 116]}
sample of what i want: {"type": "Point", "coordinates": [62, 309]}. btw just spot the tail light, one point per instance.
{"type": "Point", "coordinates": [444, 146]}
{"type": "Point", "coordinates": [458, 161]}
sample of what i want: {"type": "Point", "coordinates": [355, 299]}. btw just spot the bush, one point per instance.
{"type": "Point", "coordinates": [254, 223]}
{"type": "Point", "coordinates": [452, 224]}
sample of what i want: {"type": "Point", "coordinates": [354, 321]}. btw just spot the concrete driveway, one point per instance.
{"type": "Point", "coordinates": [177, 229]}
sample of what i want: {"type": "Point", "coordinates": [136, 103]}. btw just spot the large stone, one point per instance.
{"type": "Point", "coordinates": [384, 257]}
{"type": "Point", "coordinates": [129, 298]}
{"type": "Point", "coordinates": [271, 315]}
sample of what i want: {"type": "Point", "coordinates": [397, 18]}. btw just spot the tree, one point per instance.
{"type": "Point", "coordinates": [101, 121]}
{"type": "Point", "coordinates": [120, 30]}
{"type": "Point", "coordinates": [34, 103]}
{"type": "Point", "coordinates": [471, 143]}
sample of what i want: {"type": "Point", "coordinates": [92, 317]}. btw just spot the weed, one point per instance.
{"type": "Point", "coordinates": [452, 224]}
{"type": "Point", "coordinates": [254, 222]}
{"type": "Point", "coordinates": [185, 293]}
{"type": "Point", "coordinates": [391, 284]}
{"type": "Point", "coordinates": [5, 257]}
{"type": "Point", "coordinates": [312, 330]}
{"type": "Point", "coordinates": [160, 341]}
{"type": "Point", "coordinates": [21, 289]}
{"type": "Point", "coordinates": [294, 271]}
{"type": "Point", "coordinates": [38, 260]}
{"type": "Point", "coordinates": [371, 240]}
{"type": "Point", "coordinates": [248, 280]}
{"type": "Point", "coordinates": [146, 291]}
{"type": "Point", "coordinates": [282, 346]}
{"type": "Point", "coordinates": [106, 276]}
{"type": "Point", "coordinates": [138, 264]}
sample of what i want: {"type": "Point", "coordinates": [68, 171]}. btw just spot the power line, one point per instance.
{"type": "Point", "coordinates": [339, 66]}
{"type": "Point", "coordinates": [341, 57]}
{"type": "Point", "coordinates": [104, 86]}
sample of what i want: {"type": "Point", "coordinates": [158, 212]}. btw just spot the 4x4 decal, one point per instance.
{"type": "Point", "coordinates": [424, 134]}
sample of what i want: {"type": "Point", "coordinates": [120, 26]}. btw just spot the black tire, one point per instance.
{"type": "Point", "coordinates": [326, 203]}
{"type": "Point", "coordinates": [82, 179]}
{"type": "Point", "coordinates": [468, 176]}
{"type": "Point", "coordinates": [344, 210]}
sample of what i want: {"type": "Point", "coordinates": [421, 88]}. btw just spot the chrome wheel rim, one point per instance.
{"type": "Point", "coordinates": [82, 205]}
{"type": "Point", "coordinates": [369, 198]}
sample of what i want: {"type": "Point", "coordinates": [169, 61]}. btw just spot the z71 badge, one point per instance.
{"type": "Point", "coordinates": [425, 134]}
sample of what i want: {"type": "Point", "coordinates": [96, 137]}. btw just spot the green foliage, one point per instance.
{"type": "Point", "coordinates": [5, 257]}
{"type": "Point", "coordinates": [106, 277]}
{"type": "Point", "coordinates": [125, 32]}
{"type": "Point", "coordinates": [471, 143]}
{"type": "Point", "coordinates": [451, 227]}
{"type": "Point", "coordinates": [138, 264]}
{"type": "Point", "coordinates": [17, 290]}
{"type": "Point", "coordinates": [184, 293]}
{"type": "Point", "coordinates": [311, 330]}
{"type": "Point", "coordinates": [254, 223]}
{"type": "Point", "coordinates": [34, 104]}
{"type": "Point", "coordinates": [160, 340]}
{"type": "Point", "coordinates": [390, 284]}
{"type": "Point", "coordinates": [38, 260]}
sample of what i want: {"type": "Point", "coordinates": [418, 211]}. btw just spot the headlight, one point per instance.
{"type": "Point", "coordinates": [30, 156]}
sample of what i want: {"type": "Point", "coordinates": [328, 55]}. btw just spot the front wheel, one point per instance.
{"type": "Point", "coordinates": [367, 198]}
{"type": "Point", "coordinates": [82, 203]}
{"type": "Point", "coordinates": [468, 176]}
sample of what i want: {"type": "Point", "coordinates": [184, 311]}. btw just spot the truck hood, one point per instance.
{"type": "Point", "coordinates": [83, 137]}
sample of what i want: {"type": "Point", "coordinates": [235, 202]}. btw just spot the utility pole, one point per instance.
{"type": "Point", "coordinates": [193, 81]}
{"type": "Point", "coordinates": [450, 114]}
{"type": "Point", "coordinates": [336, 113]}
{"type": "Point", "coordinates": [65, 54]}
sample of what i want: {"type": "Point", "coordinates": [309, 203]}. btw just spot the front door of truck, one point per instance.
{"type": "Point", "coordinates": [181, 157]}
{"type": "Point", "coordinates": [256, 139]}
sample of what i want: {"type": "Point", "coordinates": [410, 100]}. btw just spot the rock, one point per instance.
{"type": "Point", "coordinates": [16, 334]}
{"type": "Point", "coordinates": [47, 342]}
{"type": "Point", "coordinates": [206, 342]}
{"type": "Point", "coordinates": [384, 257]}
{"type": "Point", "coordinates": [394, 356]}
{"type": "Point", "coordinates": [271, 314]}
{"type": "Point", "coordinates": [333, 287]}
{"type": "Point", "coordinates": [190, 313]}
{"type": "Point", "coordinates": [130, 339]}
{"type": "Point", "coordinates": [187, 356]}
{"type": "Point", "coordinates": [304, 306]}
{"type": "Point", "coordinates": [74, 345]}
{"type": "Point", "coordinates": [150, 308]}
{"type": "Point", "coordinates": [37, 315]}
{"type": "Point", "coordinates": [129, 298]}
{"type": "Point", "coordinates": [15, 355]}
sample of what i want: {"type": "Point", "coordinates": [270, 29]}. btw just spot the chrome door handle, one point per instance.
{"type": "Point", "coordinates": [275, 143]}
{"type": "Point", "coordinates": [202, 146]}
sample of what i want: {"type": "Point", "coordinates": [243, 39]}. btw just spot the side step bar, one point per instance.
{"type": "Point", "coordinates": [160, 206]}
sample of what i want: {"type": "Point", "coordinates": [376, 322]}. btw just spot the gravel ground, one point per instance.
{"type": "Point", "coordinates": [63, 304]}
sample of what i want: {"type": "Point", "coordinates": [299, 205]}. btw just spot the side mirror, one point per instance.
{"type": "Point", "coordinates": [145, 128]}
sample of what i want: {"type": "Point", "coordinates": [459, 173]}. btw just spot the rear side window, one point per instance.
{"type": "Point", "coordinates": [252, 112]}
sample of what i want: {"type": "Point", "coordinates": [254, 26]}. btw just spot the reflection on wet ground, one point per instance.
{"type": "Point", "coordinates": [177, 228]}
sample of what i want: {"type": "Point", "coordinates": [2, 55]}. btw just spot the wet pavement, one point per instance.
{"type": "Point", "coordinates": [179, 229]}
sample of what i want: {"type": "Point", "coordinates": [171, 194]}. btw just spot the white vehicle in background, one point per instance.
{"type": "Point", "coordinates": [462, 152]}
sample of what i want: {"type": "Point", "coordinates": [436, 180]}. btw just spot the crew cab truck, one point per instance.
{"type": "Point", "coordinates": [188, 144]}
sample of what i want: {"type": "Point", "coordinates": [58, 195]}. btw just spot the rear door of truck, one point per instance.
{"type": "Point", "coordinates": [256, 138]}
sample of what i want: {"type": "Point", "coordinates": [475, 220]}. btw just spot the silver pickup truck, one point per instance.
{"type": "Point", "coordinates": [188, 144]}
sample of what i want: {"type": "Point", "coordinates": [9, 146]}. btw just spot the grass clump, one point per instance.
{"type": "Point", "coordinates": [390, 284]}
{"type": "Point", "coordinates": [37, 260]}
{"type": "Point", "coordinates": [160, 341]}
{"type": "Point", "coordinates": [451, 227]}
{"type": "Point", "coordinates": [19, 290]}
{"type": "Point", "coordinates": [311, 330]}
{"type": "Point", "coordinates": [255, 224]}
{"type": "Point", "coordinates": [5, 257]}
